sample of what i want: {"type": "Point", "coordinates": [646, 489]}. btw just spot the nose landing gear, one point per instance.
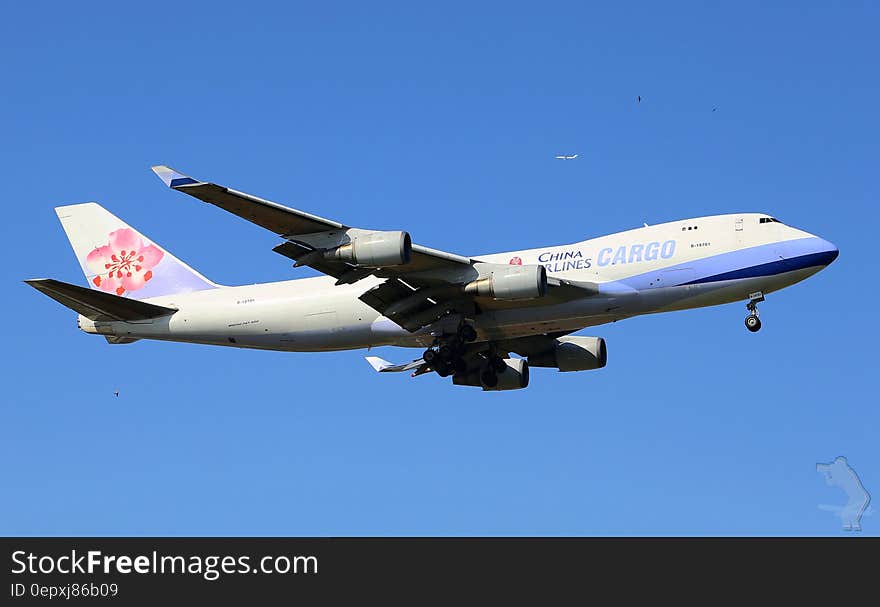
{"type": "Point", "coordinates": [753, 323]}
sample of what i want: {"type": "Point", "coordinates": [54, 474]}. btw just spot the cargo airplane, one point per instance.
{"type": "Point", "coordinates": [468, 314]}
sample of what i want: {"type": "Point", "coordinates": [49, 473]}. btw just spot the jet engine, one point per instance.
{"type": "Point", "coordinates": [374, 249]}
{"type": "Point", "coordinates": [511, 282]}
{"type": "Point", "coordinates": [573, 354]}
{"type": "Point", "coordinates": [514, 376]}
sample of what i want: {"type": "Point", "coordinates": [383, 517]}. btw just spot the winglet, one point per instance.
{"type": "Point", "coordinates": [172, 178]}
{"type": "Point", "coordinates": [379, 364]}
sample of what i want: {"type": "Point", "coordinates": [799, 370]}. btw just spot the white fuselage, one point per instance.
{"type": "Point", "coordinates": [671, 266]}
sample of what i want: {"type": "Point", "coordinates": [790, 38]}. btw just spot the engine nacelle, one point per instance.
{"type": "Point", "coordinates": [514, 377]}
{"type": "Point", "coordinates": [374, 250]}
{"type": "Point", "coordinates": [511, 282]}
{"type": "Point", "coordinates": [574, 354]}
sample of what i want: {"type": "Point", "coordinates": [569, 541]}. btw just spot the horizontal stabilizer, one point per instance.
{"type": "Point", "coordinates": [98, 305]}
{"type": "Point", "coordinates": [379, 364]}
{"type": "Point", "coordinates": [383, 366]}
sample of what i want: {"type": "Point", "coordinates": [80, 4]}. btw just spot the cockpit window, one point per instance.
{"type": "Point", "coordinates": [769, 220]}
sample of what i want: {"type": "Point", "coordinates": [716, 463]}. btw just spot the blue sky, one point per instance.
{"type": "Point", "coordinates": [442, 120]}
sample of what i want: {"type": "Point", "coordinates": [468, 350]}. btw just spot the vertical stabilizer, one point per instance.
{"type": "Point", "coordinates": [118, 259]}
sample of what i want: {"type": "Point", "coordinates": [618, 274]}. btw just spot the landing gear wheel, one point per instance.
{"type": "Point", "coordinates": [497, 364]}
{"type": "Point", "coordinates": [446, 352]}
{"type": "Point", "coordinates": [443, 369]}
{"type": "Point", "coordinates": [753, 323]}
{"type": "Point", "coordinates": [429, 355]}
{"type": "Point", "coordinates": [459, 365]}
{"type": "Point", "coordinates": [488, 378]}
{"type": "Point", "coordinates": [468, 333]}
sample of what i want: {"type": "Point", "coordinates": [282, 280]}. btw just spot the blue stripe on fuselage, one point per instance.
{"type": "Point", "coordinates": [801, 262]}
{"type": "Point", "coordinates": [762, 260]}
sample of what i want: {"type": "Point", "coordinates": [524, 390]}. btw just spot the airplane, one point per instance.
{"type": "Point", "coordinates": [572, 157]}
{"type": "Point", "coordinates": [470, 314]}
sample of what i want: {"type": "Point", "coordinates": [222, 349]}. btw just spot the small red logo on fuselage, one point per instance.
{"type": "Point", "coordinates": [515, 261]}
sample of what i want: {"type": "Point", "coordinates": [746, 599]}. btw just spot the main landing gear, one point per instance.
{"type": "Point", "coordinates": [753, 323]}
{"type": "Point", "coordinates": [446, 358]}
{"type": "Point", "coordinates": [493, 366]}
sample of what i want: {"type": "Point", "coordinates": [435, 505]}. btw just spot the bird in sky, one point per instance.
{"type": "Point", "coordinates": [638, 98]}
{"type": "Point", "coordinates": [714, 108]}
{"type": "Point", "coordinates": [572, 157]}
{"type": "Point", "coordinates": [116, 393]}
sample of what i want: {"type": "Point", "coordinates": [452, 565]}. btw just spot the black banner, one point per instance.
{"type": "Point", "coordinates": [130, 571]}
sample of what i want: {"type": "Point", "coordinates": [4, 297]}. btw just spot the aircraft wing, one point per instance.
{"type": "Point", "coordinates": [414, 294]}
{"type": "Point", "coordinates": [290, 223]}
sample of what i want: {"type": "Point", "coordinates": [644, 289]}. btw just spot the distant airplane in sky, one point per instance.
{"type": "Point", "coordinates": [467, 313]}
{"type": "Point", "coordinates": [572, 157]}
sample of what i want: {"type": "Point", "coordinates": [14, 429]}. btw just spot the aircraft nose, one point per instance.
{"type": "Point", "coordinates": [827, 251]}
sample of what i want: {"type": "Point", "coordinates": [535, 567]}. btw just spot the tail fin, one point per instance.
{"type": "Point", "coordinates": [118, 259]}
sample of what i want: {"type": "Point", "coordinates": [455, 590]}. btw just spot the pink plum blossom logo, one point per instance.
{"type": "Point", "coordinates": [124, 263]}
{"type": "Point", "coordinates": [515, 261]}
